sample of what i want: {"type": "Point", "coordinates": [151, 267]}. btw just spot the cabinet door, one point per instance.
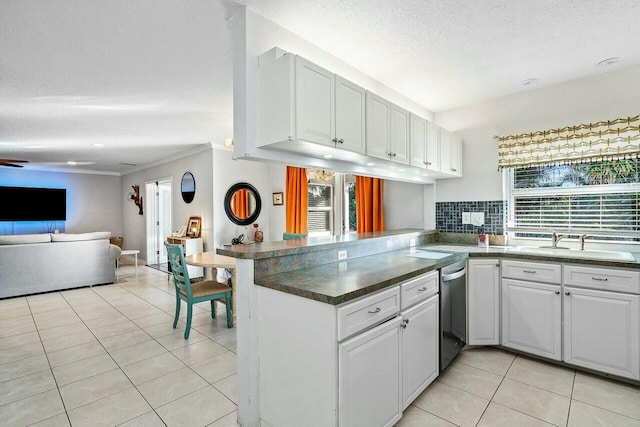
{"type": "Point", "coordinates": [602, 332]}
{"type": "Point", "coordinates": [418, 138]}
{"type": "Point", "coordinates": [531, 318]}
{"type": "Point", "coordinates": [314, 103]}
{"type": "Point", "coordinates": [484, 302]}
{"type": "Point", "coordinates": [399, 134]}
{"type": "Point", "coordinates": [456, 155]}
{"type": "Point", "coordinates": [433, 147]}
{"type": "Point", "coordinates": [445, 152]}
{"type": "Point", "coordinates": [350, 106]}
{"type": "Point", "coordinates": [420, 349]}
{"type": "Point", "coordinates": [369, 377]}
{"type": "Point", "coordinates": [377, 126]}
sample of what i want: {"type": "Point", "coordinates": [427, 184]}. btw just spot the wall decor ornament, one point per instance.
{"type": "Point", "coordinates": [604, 140]}
{"type": "Point", "coordinates": [136, 197]}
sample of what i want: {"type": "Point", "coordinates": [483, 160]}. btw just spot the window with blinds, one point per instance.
{"type": "Point", "coordinates": [320, 212]}
{"type": "Point", "coordinates": [601, 198]}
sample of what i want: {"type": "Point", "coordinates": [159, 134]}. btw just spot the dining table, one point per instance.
{"type": "Point", "coordinates": [213, 260]}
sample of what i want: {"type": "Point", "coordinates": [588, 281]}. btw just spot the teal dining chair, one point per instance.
{"type": "Point", "coordinates": [293, 236]}
{"type": "Point", "coordinates": [193, 293]}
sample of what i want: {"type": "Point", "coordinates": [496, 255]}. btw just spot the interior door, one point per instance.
{"type": "Point", "coordinates": [158, 218]}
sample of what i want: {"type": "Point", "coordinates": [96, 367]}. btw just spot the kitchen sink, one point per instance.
{"type": "Point", "coordinates": [575, 253]}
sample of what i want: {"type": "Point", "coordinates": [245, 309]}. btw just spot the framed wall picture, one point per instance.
{"type": "Point", "coordinates": [278, 198]}
{"type": "Point", "coordinates": [193, 226]}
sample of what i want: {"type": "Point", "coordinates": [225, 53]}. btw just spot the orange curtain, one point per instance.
{"type": "Point", "coordinates": [240, 204]}
{"type": "Point", "coordinates": [297, 200]}
{"type": "Point", "coordinates": [369, 207]}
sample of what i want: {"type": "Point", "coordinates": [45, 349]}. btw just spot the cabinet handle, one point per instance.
{"type": "Point", "coordinates": [422, 289]}
{"type": "Point", "coordinates": [557, 292]}
{"type": "Point", "coordinates": [567, 293]}
{"type": "Point", "coordinates": [341, 141]}
{"type": "Point", "coordinates": [529, 271]}
{"type": "Point", "coordinates": [598, 279]}
{"type": "Point", "coordinates": [394, 154]}
{"type": "Point", "coordinates": [377, 310]}
{"type": "Point", "coordinates": [334, 140]}
{"type": "Point", "coordinates": [498, 265]}
{"type": "Point", "coordinates": [428, 163]}
{"type": "Point", "coordinates": [454, 170]}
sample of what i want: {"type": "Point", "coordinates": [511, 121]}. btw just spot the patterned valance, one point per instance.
{"type": "Point", "coordinates": [605, 140]}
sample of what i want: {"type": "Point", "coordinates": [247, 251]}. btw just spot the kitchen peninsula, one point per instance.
{"type": "Point", "coordinates": [287, 325]}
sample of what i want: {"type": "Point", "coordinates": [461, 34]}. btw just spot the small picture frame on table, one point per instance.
{"type": "Point", "coordinates": [278, 198]}
{"type": "Point", "coordinates": [193, 226]}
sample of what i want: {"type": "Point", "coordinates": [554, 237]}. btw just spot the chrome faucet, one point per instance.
{"type": "Point", "coordinates": [582, 237]}
{"type": "Point", "coordinates": [555, 238]}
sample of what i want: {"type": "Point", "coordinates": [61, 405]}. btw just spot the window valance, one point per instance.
{"type": "Point", "coordinates": [604, 140]}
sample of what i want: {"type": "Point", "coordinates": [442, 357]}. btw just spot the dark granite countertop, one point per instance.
{"type": "Point", "coordinates": [343, 281]}
{"type": "Point", "coordinates": [339, 282]}
{"type": "Point", "coordinates": [300, 246]}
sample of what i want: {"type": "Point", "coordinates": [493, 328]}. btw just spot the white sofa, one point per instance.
{"type": "Point", "coordinates": [34, 263]}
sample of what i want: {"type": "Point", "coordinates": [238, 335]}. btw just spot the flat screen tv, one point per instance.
{"type": "Point", "coordinates": [33, 204]}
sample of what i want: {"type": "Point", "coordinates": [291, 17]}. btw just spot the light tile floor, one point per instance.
{"type": "Point", "coordinates": [108, 356]}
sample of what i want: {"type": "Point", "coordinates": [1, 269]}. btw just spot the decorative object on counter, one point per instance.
{"type": "Point", "coordinates": [238, 240]}
{"type": "Point", "coordinates": [587, 142]}
{"type": "Point", "coordinates": [136, 197]}
{"type": "Point", "coordinates": [242, 203]}
{"type": "Point", "coordinates": [258, 236]}
{"type": "Point", "coordinates": [278, 198]}
{"type": "Point", "coordinates": [193, 226]}
{"type": "Point", "coordinates": [483, 240]}
{"type": "Point", "coordinates": [188, 187]}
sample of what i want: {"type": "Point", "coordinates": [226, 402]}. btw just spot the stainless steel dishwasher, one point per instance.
{"type": "Point", "coordinates": [453, 311]}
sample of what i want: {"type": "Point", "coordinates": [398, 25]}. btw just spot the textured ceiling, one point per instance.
{"type": "Point", "coordinates": [147, 78]}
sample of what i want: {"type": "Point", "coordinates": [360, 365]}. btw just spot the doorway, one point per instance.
{"type": "Point", "coordinates": [158, 194]}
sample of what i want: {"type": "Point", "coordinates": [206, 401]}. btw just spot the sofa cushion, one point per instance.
{"type": "Point", "coordinates": [96, 235]}
{"type": "Point", "coordinates": [25, 238]}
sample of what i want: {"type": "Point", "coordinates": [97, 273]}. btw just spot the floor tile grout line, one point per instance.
{"type": "Point", "coordinates": [496, 390]}
{"type": "Point", "coordinates": [608, 410]}
{"type": "Point", "coordinates": [431, 413]}
{"type": "Point", "coordinates": [573, 386]}
{"type": "Point", "coordinates": [64, 406]}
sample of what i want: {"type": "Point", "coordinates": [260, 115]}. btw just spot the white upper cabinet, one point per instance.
{"type": "Point", "coordinates": [349, 114]}
{"type": "Point", "coordinates": [387, 130]}
{"type": "Point", "coordinates": [450, 153]}
{"type": "Point", "coordinates": [418, 137]}
{"type": "Point", "coordinates": [456, 154]}
{"type": "Point", "coordinates": [315, 103]}
{"type": "Point", "coordinates": [398, 134]}
{"type": "Point", "coordinates": [432, 157]}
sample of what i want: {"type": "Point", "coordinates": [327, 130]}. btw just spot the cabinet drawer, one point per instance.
{"type": "Point", "coordinates": [532, 271]}
{"type": "Point", "coordinates": [418, 289]}
{"type": "Point", "coordinates": [369, 311]}
{"type": "Point", "coordinates": [607, 279]}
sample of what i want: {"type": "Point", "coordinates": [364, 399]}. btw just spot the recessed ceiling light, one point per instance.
{"type": "Point", "coordinates": [401, 170]}
{"type": "Point", "coordinates": [607, 62]}
{"type": "Point", "coordinates": [228, 142]}
{"type": "Point", "coordinates": [425, 174]}
{"type": "Point", "coordinates": [371, 164]}
{"type": "Point", "coordinates": [328, 156]}
{"type": "Point", "coordinates": [531, 81]}
{"type": "Point", "coordinates": [98, 145]}
{"type": "Point", "coordinates": [72, 163]}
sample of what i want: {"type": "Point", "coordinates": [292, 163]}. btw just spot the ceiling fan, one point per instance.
{"type": "Point", "coordinates": [12, 163]}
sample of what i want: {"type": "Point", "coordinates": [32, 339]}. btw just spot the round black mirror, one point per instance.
{"type": "Point", "coordinates": [242, 203]}
{"type": "Point", "coordinates": [188, 187]}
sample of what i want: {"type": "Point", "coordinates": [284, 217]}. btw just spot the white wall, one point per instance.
{"type": "Point", "coordinates": [278, 213]}
{"type": "Point", "coordinates": [602, 97]}
{"type": "Point", "coordinates": [200, 165]}
{"type": "Point", "coordinates": [93, 201]}
{"type": "Point", "coordinates": [403, 205]}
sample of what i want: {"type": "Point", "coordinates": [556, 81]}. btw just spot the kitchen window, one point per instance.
{"type": "Point", "coordinates": [320, 211]}
{"type": "Point", "coordinates": [601, 199]}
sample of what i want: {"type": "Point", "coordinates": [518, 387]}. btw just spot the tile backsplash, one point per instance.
{"type": "Point", "coordinates": [449, 216]}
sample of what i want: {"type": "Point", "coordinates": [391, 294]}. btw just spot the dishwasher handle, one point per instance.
{"type": "Point", "coordinates": [453, 276]}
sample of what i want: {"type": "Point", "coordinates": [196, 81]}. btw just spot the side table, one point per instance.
{"type": "Point", "coordinates": [133, 252]}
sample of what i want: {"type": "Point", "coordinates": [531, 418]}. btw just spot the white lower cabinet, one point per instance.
{"type": "Point", "coordinates": [531, 317]}
{"type": "Point", "coordinates": [483, 301]}
{"type": "Point", "coordinates": [602, 331]}
{"type": "Point", "coordinates": [420, 349]}
{"type": "Point", "coordinates": [369, 377]}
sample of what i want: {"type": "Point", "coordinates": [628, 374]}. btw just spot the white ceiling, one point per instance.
{"type": "Point", "coordinates": [149, 79]}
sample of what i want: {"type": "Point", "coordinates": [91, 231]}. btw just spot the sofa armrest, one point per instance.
{"type": "Point", "coordinates": [114, 252]}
